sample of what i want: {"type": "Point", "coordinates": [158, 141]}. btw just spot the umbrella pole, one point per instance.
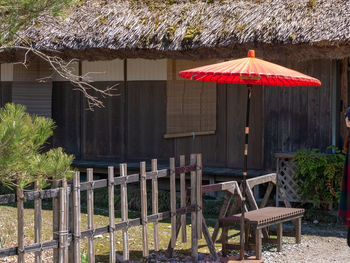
{"type": "Point", "coordinates": [245, 164]}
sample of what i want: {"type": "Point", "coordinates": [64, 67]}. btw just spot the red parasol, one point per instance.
{"type": "Point", "coordinates": [250, 71]}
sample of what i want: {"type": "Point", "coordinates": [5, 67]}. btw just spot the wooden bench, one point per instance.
{"type": "Point", "coordinates": [258, 220]}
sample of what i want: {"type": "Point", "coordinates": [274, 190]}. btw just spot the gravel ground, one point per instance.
{"type": "Point", "coordinates": [319, 243]}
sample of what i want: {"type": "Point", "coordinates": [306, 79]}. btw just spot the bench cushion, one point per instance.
{"type": "Point", "coordinates": [264, 216]}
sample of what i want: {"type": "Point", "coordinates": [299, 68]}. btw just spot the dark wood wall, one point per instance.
{"type": "Point", "coordinates": [147, 121]}
{"type": "Point", "coordinates": [135, 132]}
{"type": "Point", "coordinates": [132, 125]}
{"type": "Point", "coordinates": [299, 117]}
{"type": "Point", "coordinates": [5, 92]}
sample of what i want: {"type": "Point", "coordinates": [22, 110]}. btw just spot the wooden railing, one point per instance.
{"type": "Point", "coordinates": [67, 233]}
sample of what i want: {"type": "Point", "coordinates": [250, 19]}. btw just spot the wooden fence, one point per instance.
{"type": "Point", "coordinates": [67, 233]}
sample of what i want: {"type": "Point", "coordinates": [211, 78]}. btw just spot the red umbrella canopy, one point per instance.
{"type": "Point", "coordinates": [250, 70]}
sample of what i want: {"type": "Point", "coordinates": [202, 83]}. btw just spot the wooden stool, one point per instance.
{"type": "Point", "coordinates": [259, 219]}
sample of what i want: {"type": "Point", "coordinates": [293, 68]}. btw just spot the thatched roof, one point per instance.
{"type": "Point", "coordinates": [197, 28]}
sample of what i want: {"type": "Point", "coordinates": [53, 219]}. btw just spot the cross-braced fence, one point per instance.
{"type": "Point", "coordinates": [67, 233]}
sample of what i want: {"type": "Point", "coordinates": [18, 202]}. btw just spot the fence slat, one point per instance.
{"type": "Point", "coordinates": [55, 217]}
{"type": "Point", "coordinates": [155, 205]}
{"type": "Point", "coordinates": [65, 212]}
{"type": "Point", "coordinates": [61, 227]}
{"type": "Point", "coordinates": [173, 202]}
{"type": "Point", "coordinates": [70, 222]}
{"type": "Point", "coordinates": [111, 214]}
{"type": "Point", "coordinates": [124, 211]}
{"type": "Point", "coordinates": [20, 222]}
{"type": "Point", "coordinates": [199, 194]}
{"type": "Point", "coordinates": [183, 200]}
{"type": "Point", "coordinates": [66, 218]}
{"type": "Point", "coordinates": [194, 238]}
{"type": "Point", "coordinates": [144, 208]}
{"type": "Point", "coordinates": [90, 212]}
{"type": "Point", "coordinates": [76, 216]}
{"type": "Point", "coordinates": [37, 223]}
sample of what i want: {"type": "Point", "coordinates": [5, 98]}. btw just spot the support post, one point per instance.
{"type": "Point", "coordinates": [173, 202]}
{"type": "Point", "coordinates": [245, 165]}
{"type": "Point", "coordinates": [124, 211]}
{"type": "Point", "coordinates": [20, 222]}
{"type": "Point", "coordinates": [76, 217]}
{"type": "Point", "coordinates": [145, 250]}
{"type": "Point", "coordinates": [37, 223]}
{"type": "Point", "coordinates": [55, 217]}
{"type": "Point", "coordinates": [155, 205]}
{"type": "Point", "coordinates": [111, 214]}
{"type": "Point", "coordinates": [183, 199]}
{"type": "Point", "coordinates": [279, 236]}
{"type": "Point", "coordinates": [62, 230]}
{"type": "Point", "coordinates": [194, 232]}
{"type": "Point", "coordinates": [199, 194]}
{"type": "Point", "coordinates": [90, 211]}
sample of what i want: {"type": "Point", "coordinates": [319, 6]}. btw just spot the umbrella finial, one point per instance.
{"type": "Point", "coordinates": [251, 53]}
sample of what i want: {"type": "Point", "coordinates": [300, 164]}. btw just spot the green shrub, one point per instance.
{"type": "Point", "coordinates": [319, 175]}
{"type": "Point", "coordinates": [22, 142]}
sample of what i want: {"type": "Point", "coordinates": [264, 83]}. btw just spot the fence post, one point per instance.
{"type": "Point", "coordinates": [194, 232]}
{"type": "Point", "coordinates": [20, 218]}
{"type": "Point", "coordinates": [37, 223]}
{"type": "Point", "coordinates": [199, 194]}
{"type": "Point", "coordinates": [55, 218]}
{"type": "Point", "coordinates": [144, 209]}
{"type": "Point", "coordinates": [124, 211]}
{"type": "Point", "coordinates": [70, 223]}
{"type": "Point", "coordinates": [173, 202]}
{"type": "Point", "coordinates": [62, 229]}
{"type": "Point", "coordinates": [183, 199]}
{"type": "Point", "coordinates": [277, 172]}
{"type": "Point", "coordinates": [76, 217]}
{"type": "Point", "coordinates": [155, 205]}
{"type": "Point", "coordinates": [111, 213]}
{"type": "Point", "coordinates": [90, 211]}
{"type": "Point", "coordinates": [66, 218]}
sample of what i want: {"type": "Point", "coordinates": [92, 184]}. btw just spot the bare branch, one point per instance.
{"type": "Point", "coordinates": [65, 70]}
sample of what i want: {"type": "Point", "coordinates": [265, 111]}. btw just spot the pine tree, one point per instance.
{"type": "Point", "coordinates": [22, 140]}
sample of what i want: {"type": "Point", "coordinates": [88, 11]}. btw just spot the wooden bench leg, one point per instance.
{"type": "Point", "coordinates": [224, 235]}
{"type": "Point", "coordinates": [258, 245]}
{"type": "Point", "coordinates": [298, 231]}
{"type": "Point", "coordinates": [246, 232]}
{"type": "Point", "coordinates": [279, 236]}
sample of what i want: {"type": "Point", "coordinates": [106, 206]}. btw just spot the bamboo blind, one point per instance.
{"type": "Point", "coordinates": [191, 107]}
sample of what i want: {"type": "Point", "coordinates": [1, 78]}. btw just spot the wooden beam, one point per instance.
{"type": "Point", "coordinates": [344, 94]}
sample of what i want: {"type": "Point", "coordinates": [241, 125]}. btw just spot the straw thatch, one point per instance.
{"type": "Point", "coordinates": [301, 29]}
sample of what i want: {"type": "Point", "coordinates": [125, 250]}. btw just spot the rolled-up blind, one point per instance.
{"type": "Point", "coordinates": [37, 97]}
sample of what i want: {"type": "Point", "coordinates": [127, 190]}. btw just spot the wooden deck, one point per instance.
{"type": "Point", "coordinates": [212, 174]}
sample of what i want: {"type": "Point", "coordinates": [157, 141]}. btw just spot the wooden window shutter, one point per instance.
{"type": "Point", "coordinates": [191, 108]}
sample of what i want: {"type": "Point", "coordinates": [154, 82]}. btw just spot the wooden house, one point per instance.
{"type": "Point", "coordinates": [142, 45]}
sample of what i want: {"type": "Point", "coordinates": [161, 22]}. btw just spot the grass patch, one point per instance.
{"type": "Point", "coordinates": [8, 235]}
